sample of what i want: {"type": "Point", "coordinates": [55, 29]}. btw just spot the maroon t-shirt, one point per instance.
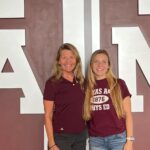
{"type": "Point", "coordinates": [104, 120]}
{"type": "Point", "coordinates": [68, 99]}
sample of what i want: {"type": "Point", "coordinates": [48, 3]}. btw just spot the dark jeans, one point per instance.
{"type": "Point", "coordinates": [71, 141]}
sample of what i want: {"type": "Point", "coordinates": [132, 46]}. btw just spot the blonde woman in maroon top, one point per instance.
{"type": "Point", "coordinates": [63, 102]}
{"type": "Point", "coordinates": [107, 107]}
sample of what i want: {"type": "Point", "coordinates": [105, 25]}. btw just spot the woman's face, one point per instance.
{"type": "Point", "coordinates": [100, 66]}
{"type": "Point", "coordinates": [67, 61]}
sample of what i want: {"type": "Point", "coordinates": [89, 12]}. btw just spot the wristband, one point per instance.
{"type": "Point", "coordinates": [52, 146]}
{"type": "Point", "coordinates": [130, 138]}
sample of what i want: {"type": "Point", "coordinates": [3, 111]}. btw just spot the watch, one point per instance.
{"type": "Point", "coordinates": [130, 138]}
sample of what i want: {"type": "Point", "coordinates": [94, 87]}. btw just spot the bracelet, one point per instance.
{"type": "Point", "coordinates": [130, 138]}
{"type": "Point", "coordinates": [52, 146]}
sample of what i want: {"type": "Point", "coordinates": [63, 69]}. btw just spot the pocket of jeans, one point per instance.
{"type": "Point", "coordinates": [94, 141]}
{"type": "Point", "coordinates": [121, 136]}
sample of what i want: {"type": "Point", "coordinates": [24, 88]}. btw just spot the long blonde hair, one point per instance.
{"type": "Point", "coordinates": [57, 72]}
{"type": "Point", "coordinates": [113, 84]}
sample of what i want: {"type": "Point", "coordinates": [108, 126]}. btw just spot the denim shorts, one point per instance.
{"type": "Point", "coordinates": [113, 142]}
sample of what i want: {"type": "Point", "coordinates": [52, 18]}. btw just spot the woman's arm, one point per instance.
{"type": "Point", "coordinates": [129, 122]}
{"type": "Point", "coordinates": [49, 108]}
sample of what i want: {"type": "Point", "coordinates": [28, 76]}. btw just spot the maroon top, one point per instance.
{"type": "Point", "coordinates": [68, 99]}
{"type": "Point", "coordinates": [104, 120]}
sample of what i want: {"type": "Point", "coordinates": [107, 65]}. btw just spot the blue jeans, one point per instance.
{"type": "Point", "coordinates": [113, 142]}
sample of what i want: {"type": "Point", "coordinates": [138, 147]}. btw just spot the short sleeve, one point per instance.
{"type": "Point", "coordinates": [49, 91]}
{"type": "Point", "coordinates": [124, 89]}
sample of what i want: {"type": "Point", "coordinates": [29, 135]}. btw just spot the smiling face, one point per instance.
{"type": "Point", "coordinates": [67, 61]}
{"type": "Point", "coordinates": [100, 66]}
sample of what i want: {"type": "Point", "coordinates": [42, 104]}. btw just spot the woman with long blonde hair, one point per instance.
{"type": "Point", "coordinates": [107, 106]}
{"type": "Point", "coordinates": [63, 102]}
